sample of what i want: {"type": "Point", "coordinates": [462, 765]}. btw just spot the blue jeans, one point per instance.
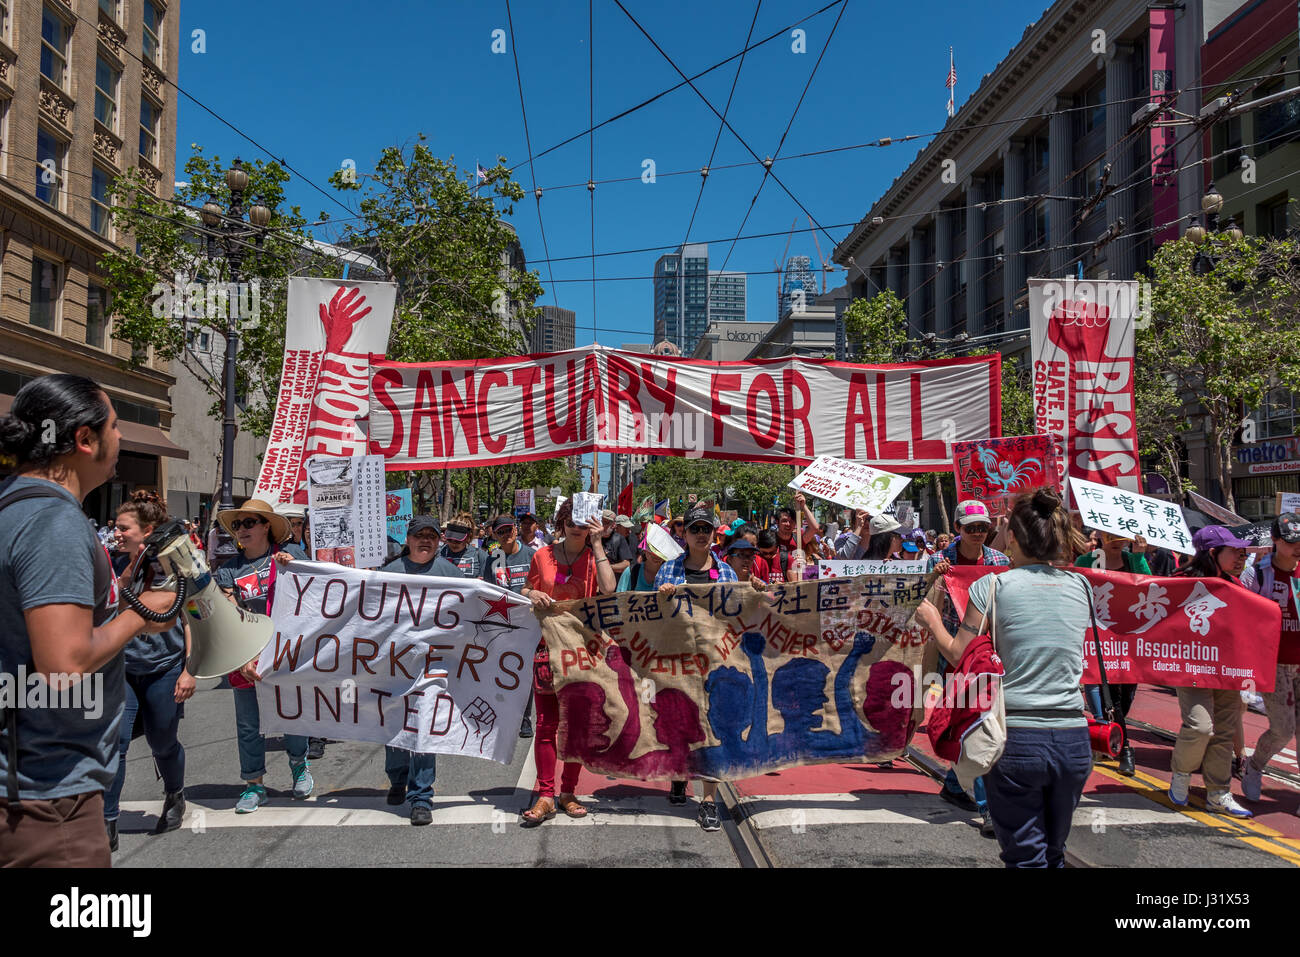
{"type": "Point", "coordinates": [252, 743]}
{"type": "Point", "coordinates": [155, 695]}
{"type": "Point", "coordinates": [952, 785]}
{"type": "Point", "coordinates": [415, 770]}
{"type": "Point", "coordinates": [1033, 791]}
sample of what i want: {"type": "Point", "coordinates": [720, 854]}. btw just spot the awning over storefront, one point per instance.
{"type": "Point", "coordinates": [145, 439]}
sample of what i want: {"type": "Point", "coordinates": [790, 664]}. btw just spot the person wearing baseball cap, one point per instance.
{"type": "Point", "coordinates": [975, 524]}
{"type": "Point", "coordinates": [459, 550]}
{"type": "Point", "coordinates": [1272, 576]}
{"type": "Point", "coordinates": [1209, 715]}
{"type": "Point", "coordinates": [617, 547]}
{"type": "Point", "coordinates": [882, 537]}
{"type": "Point", "coordinates": [740, 556]}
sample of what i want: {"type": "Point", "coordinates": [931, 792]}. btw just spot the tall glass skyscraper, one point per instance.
{"type": "Point", "coordinates": [682, 295]}
{"type": "Point", "coordinates": [726, 297]}
{"type": "Point", "coordinates": [798, 275]}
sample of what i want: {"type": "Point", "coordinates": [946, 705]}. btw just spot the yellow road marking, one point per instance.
{"type": "Point", "coordinates": [1155, 790]}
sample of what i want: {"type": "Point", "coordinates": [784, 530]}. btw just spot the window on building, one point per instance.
{"type": "Point", "coordinates": [107, 81]}
{"type": "Point", "coordinates": [1094, 103]}
{"type": "Point", "coordinates": [99, 204]}
{"type": "Point", "coordinates": [999, 184]}
{"type": "Point", "coordinates": [96, 316]}
{"type": "Point", "coordinates": [1039, 232]}
{"type": "Point", "coordinates": [4, 135]}
{"type": "Point", "coordinates": [1226, 138]}
{"type": "Point", "coordinates": [1037, 154]}
{"type": "Point", "coordinates": [999, 242]}
{"type": "Point", "coordinates": [1277, 123]}
{"type": "Point", "coordinates": [1278, 417]}
{"type": "Point", "coordinates": [49, 168]}
{"type": "Point", "coordinates": [150, 116]}
{"type": "Point", "coordinates": [1271, 218]}
{"type": "Point", "coordinates": [4, 19]}
{"type": "Point", "coordinates": [152, 33]}
{"type": "Point", "coordinates": [1092, 178]}
{"type": "Point", "coordinates": [55, 34]}
{"type": "Point", "coordinates": [110, 7]}
{"type": "Point", "coordinates": [45, 293]}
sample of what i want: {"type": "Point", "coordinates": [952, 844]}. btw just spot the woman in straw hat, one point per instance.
{"type": "Point", "coordinates": [246, 578]}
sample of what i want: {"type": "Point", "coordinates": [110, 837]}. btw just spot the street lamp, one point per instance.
{"type": "Point", "coordinates": [227, 238]}
{"type": "Point", "coordinates": [1211, 206]}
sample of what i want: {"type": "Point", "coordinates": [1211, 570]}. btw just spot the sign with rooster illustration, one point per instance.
{"type": "Point", "coordinates": [995, 470]}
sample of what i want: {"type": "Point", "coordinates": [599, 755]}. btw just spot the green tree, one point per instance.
{"type": "Point", "coordinates": [1223, 335]}
{"type": "Point", "coordinates": [877, 327]}
{"type": "Point", "coordinates": [1017, 398]}
{"type": "Point", "coordinates": [147, 283]}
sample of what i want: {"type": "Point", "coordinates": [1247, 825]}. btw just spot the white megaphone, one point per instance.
{"type": "Point", "coordinates": [223, 636]}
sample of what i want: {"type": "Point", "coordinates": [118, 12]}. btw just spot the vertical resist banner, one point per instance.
{"type": "Point", "coordinates": [441, 665]}
{"type": "Point", "coordinates": [333, 328]}
{"type": "Point", "coordinates": [722, 681]}
{"type": "Point", "coordinates": [1082, 340]}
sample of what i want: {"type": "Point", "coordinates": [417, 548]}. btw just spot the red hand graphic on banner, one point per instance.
{"type": "Point", "coordinates": [1080, 328]}
{"type": "Point", "coordinates": [339, 318]}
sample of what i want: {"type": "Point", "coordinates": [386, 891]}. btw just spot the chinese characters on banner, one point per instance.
{"type": "Point", "coordinates": [448, 672]}
{"type": "Point", "coordinates": [1082, 342]}
{"type": "Point", "coordinates": [994, 471]}
{"type": "Point", "coordinates": [348, 510]}
{"type": "Point", "coordinates": [1129, 514]}
{"type": "Point", "coordinates": [720, 681]}
{"type": "Point", "coordinates": [1179, 632]}
{"type": "Point", "coordinates": [850, 484]}
{"type": "Point", "coordinates": [523, 408]}
{"type": "Point", "coordinates": [586, 506]}
{"type": "Point", "coordinates": [840, 568]}
{"type": "Point", "coordinates": [333, 329]}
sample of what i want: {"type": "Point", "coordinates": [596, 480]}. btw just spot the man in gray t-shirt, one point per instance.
{"type": "Point", "coordinates": [59, 616]}
{"type": "Point", "coordinates": [508, 564]}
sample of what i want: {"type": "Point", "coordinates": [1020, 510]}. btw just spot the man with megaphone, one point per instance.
{"type": "Point", "coordinates": [247, 581]}
{"type": "Point", "coordinates": [62, 678]}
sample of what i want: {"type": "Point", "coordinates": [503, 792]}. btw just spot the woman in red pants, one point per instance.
{"type": "Point", "coordinates": [573, 566]}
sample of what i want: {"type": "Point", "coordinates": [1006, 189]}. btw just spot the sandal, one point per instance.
{"type": "Point", "coordinates": [543, 810]}
{"type": "Point", "coordinates": [571, 806]}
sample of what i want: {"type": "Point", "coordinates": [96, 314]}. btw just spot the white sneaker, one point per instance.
{"type": "Point", "coordinates": [1178, 788]}
{"type": "Point", "coordinates": [1222, 802]}
{"type": "Point", "coordinates": [1252, 779]}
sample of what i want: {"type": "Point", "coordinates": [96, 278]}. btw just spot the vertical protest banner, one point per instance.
{"type": "Point", "coordinates": [850, 484]}
{"type": "Point", "coordinates": [400, 510]}
{"type": "Point", "coordinates": [993, 471]}
{"type": "Point", "coordinates": [525, 503]}
{"type": "Point", "coordinates": [448, 672]}
{"type": "Point", "coordinates": [332, 330]}
{"type": "Point", "coordinates": [724, 681]}
{"type": "Point", "coordinates": [1081, 335]}
{"type": "Point", "coordinates": [348, 510]}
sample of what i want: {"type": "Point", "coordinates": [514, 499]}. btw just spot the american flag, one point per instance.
{"type": "Point", "coordinates": [951, 83]}
{"type": "Point", "coordinates": [482, 173]}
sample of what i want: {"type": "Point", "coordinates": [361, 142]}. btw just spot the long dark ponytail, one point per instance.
{"type": "Point", "coordinates": [42, 424]}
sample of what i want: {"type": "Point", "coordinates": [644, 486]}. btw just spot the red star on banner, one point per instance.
{"type": "Point", "coordinates": [499, 607]}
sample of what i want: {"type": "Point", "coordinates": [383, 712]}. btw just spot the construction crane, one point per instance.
{"type": "Point", "coordinates": [826, 267]}
{"type": "Point", "coordinates": [780, 266]}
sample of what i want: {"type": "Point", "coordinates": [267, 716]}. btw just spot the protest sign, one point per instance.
{"type": "Point", "coordinates": [1287, 502]}
{"type": "Point", "coordinates": [524, 502]}
{"type": "Point", "coordinates": [721, 681]}
{"type": "Point", "coordinates": [1081, 335]}
{"type": "Point", "coordinates": [1217, 512]}
{"type": "Point", "coordinates": [992, 471]}
{"type": "Point", "coordinates": [400, 511]}
{"type": "Point", "coordinates": [348, 510]}
{"type": "Point", "coordinates": [595, 399]}
{"type": "Point", "coordinates": [586, 506]}
{"type": "Point", "coordinates": [1179, 632]}
{"type": "Point", "coordinates": [1125, 513]}
{"type": "Point", "coordinates": [841, 568]}
{"type": "Point", "coordinates": [851, 484]}
{"type": "Point", "coordinates": [661, 543]}
{"type": "Point", "coordinates": [332, 330]}
{"type": "Point", "coordinates": [558, 502]}
{"type": "Point", "coordinates": [435, 665]}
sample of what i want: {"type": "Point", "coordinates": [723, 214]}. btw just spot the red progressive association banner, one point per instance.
{"type": "Point", "coordinates": [1081, 334]}
{"type": "Point", "coordinates": [897, 417]}
{"type": "Point", "coordinates": [1179, 632]}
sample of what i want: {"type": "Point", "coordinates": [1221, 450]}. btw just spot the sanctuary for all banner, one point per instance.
{"type": "Point", "coordinates": [333, 328]}
{"type": "Point", "coordinates": [1179, 632]}
{"type": "Point", "coordinates": [488, 411]}
{"type": "Point", "coordinates": [719, 680]}
{"type": "Point", "coordinates": [1081, 334]}
{"type": "Point", "coordinates": [440, 665]}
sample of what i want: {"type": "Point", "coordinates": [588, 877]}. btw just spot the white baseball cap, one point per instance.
{"type": "Point", "coordinates": [884, 523]}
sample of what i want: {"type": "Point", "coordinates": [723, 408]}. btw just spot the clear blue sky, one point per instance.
{"type": "Point", "coordinates": [321, 82]}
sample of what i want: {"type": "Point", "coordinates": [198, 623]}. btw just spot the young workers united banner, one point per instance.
{"type": "Point", "coordinates": [333, 328]}
{"type": "Point", "coordinates": [489, 411]}
{"type": "Point", "coordinates": [1082, 339]}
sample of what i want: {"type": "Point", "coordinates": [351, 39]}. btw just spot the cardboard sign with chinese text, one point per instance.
{"type": "Point", "coordinates": [1129, 514]}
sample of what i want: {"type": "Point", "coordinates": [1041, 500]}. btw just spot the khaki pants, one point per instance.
{"type": "Point", "coordinates": [1282, 704]}
{"type": "Point", "coordinates": [1205, 738]}
{"type": "Point", "coordinates": [61, 832]}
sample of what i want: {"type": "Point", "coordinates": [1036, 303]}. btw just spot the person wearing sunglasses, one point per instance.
{"type": "Point", "coordinates": [696, 566]}
{"type": "Point", "coordinates": [972, 518]}
{"type": "Point", "coordinates": [246, 581]}
{"type": "Point", "coordinates": [1114, 556]}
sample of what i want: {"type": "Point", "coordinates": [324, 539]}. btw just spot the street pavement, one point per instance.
{"type": "Point", "coordinates": [837, 815]}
